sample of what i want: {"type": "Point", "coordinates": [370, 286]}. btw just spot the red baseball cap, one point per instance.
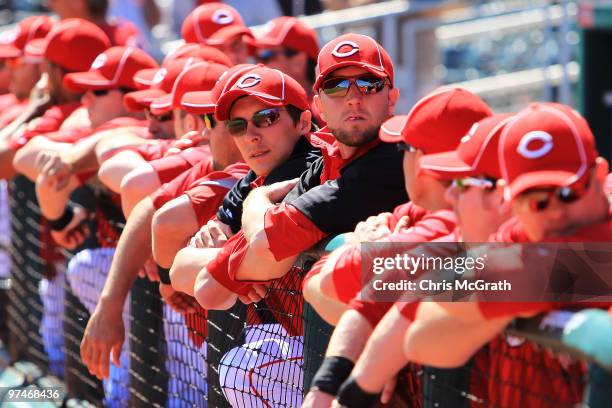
{"type": "Point", "coordinates": [205, 102]}
{"type": "Point", "coordinates": [144, 78]}
{"type": "Point", "coordinates": [289, 32]}
{"type": "Point", "coordinates": [213, 24]}
{"type": "Point", "coordinates": [162, 84]}
{"type": "Point", "coordinates": [13, 42]}
{"type": "Point", "coordinates": [270, 86]}
{"type": "Point", "coordinates": [202, 51]}
{"type": "Point", "coordinates": [548, 144]}
{"type": "Point", "coordinates": [476, 155]}
{"type": "Point", "coordinates": [197, 77]}
{"type": "Point", "coordinates": [353, 50]}
{"type": "Point", "coordinates": [113, 68]}
{"type": "Point", "coordinates": [438, 121]}
{"type": "Point", "coordinates": [73, 44]}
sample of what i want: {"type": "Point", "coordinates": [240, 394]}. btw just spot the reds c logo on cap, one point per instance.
{"type": "Point", "coordinates": [536, 136]}
{"type": "Point", "coordinates": [248, 81]}
{"type": "Point", "coordinates": [353, 49]}
{"type": "Point", "coordinates": [160, 75]}
{"type": "Point", "coordinates": [222, 17]}
{"type": "Point", "coordinates": [99, 61]}
{"type": "Point", "coordinates": [470, 133]}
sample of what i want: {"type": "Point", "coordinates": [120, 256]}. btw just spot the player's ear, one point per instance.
{"type": "Point", "coordinates": [305, 122]}
{"type": "Point", "coordinates": [317, 102]}
{"type": "Point", "coordinates": [602, 169]}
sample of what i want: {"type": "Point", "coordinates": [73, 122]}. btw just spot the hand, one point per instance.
{"type": "Point", "coordinates": [317, 399]}
{"type": "Point", "coordinates": [75, 232]}
{"type": "Point", "coordinates": [277, 191]}
{"type": "Point", "coordinates": [54, 169]}
{"type": "Point", "coordinates": [149, 270]}
{"type": "Point", "coordinates": [257, 293]}
{"type": "Point", "coordinates": [180, 302]}
{"type": "Point", "coordinates": [103, 335]}
{"type": "Point", "coordinates": [188, 140]}
{"type": "Point", "coordinates": [402, 224]}
{"type": "Point", "coordinates": [372, 229]}
{"type": "Point", "coordinates": [212, 235]}
{"type": "Point", "coordinates": [388, 390]}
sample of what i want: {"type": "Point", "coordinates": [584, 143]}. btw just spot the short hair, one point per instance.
{"type": "Point", "coordinates": [295, 114]}
{"type": "Point", "coordinates": [97, 8]}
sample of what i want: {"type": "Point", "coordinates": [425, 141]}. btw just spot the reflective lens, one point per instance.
{"type": "Point", "coordinates": [160, 118]}
{"type": "Point", "coordinates": [367, 85]}
{"type": "Point", "coordinates": [467, 182]}
{"type": "Point", "coordinates": [262, 119]}
{"type": "Point", "coordinates": [405, 147]}
{"type": "Point", "coordinates": [209, 121]}
{"type": "Point", "coordinates": [100, 92]}
{"type": "Point", "coordinates": [266, 55]}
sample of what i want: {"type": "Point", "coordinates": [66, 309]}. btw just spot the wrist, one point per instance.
{"type": "Point", "coordinates": [331, 374]}
{"type": "Point", "coordinates": [64, 220]}
{"type": "Point", "coordinates": [351, 395]}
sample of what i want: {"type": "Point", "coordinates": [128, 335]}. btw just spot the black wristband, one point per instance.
{"type": "Point", "coordinates": [351, 395]}
{"type": "Point", "coordinates": [164, 275]}
{"type": "Point", "coordinates": [332, 373]}
{"type": "Point", "coordinates": [61, 223]}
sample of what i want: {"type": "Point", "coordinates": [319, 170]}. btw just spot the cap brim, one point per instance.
{"type": "Point", "coordinates": [84, 81]}
{"type": "Point", "coordinates": [10, 51]}
{"type": "Point", "coordinates": [161, 105]}
{"type": "Point", "coordinates": [199, 103]}
{"type": "Point", "coordinates": [227, 33]}
{"type": "Point", "coordinates": [391, 130]}
{"type": "Point", "coordinates": [371, 68]}
{"type": "Point", "coordinates": [143, 79]}
{"type": "Point", "coordinates": [140, 100]}
{"type": "Point", "coordinates": [447, 165]}
{"type": "Point", "coordinates": [224, 104]}
{"type": "Point", "coordinates": [35, 48]}
{"type": "Point", "coordinates": [538, 179]}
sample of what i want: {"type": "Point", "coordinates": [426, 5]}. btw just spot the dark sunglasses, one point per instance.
{"type": "Point", "coordinates": [539, 200]}
{"type": "Point", "coordinates": [262, 119]}
{"type": "Point", "coordinates": [484, 183]}
{"type": "Point", "coordinates": [160, 118]}
{"type": "Point", "coordinates": [104, 92]}
{"type": "Point", "coordinates": [405, 147]}
{"type": "Point", "coordinates": [339, 87]}
{"type": "Point", "coordinates": [265, 56]}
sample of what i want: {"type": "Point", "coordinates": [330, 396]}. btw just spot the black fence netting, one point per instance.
{"type": "Point", "coordinates": [257, 355]}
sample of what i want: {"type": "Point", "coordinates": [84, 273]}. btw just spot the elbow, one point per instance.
{"type": "Point", "coordinates": [311, 291]}
{"type": "Point", "coordinates": [210, 294]}
{"type": "Point", "coordinates": [260, 246]}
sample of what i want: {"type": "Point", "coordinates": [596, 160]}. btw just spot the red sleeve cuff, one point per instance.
{"type": "Point", "coordinates": [289, 232]}
{"type": "Point", "coordinates": [219, 268]}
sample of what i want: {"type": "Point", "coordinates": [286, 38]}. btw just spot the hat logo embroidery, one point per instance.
{"type": "Point", "coordinates": [545, 138]}
{"type": "Point", "coordinates": [354, 49]}
{"type": "Point", "coordinates": [99, 61]}
{"type": "Point", "coordinates": [222, 17]}
{"type": "Point", "coordinates": [248, 81]}
{"type": "Point", "coordinates": [160, 75]}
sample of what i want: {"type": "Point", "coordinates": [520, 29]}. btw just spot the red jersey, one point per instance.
{"type": "Point", "coordinates": [50, 121]}
{"type": "Point", "coordinates": [170, 167]}
{"type": "Point", "coordinates": [7, 100]}
{"type": "Point", "coordinates": [10, 113]}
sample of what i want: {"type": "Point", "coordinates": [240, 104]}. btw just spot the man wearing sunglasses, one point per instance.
{"type": "Point", "coordinates": [437, 123]}
{"type": "Point", "coordinates": [354, 116]}
{"type": "Point", "coordinates": [554, 180]}
{"type": "Point", "coordinates": [290, 46]}
{"type": "Point", "coordinates": [174, 211]}
{"type": "Point", "coordinates": [473, 167]}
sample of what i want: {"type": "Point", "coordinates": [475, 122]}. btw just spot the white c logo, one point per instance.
{"type": "Point", "coordinates": [248, 81]}
{"type": "Point", "coordinates": [160, 75]}
{"type": "Point", "coordinates": [469, 134]}
{"type": "Point", "coordinates": [223, 17]}
{"type": "Point", "coordinates": [538, 135]}
{"type": "Point", "coordinates": [354, 49]}
{"type": "Point", "coordinates": [99, 61]}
